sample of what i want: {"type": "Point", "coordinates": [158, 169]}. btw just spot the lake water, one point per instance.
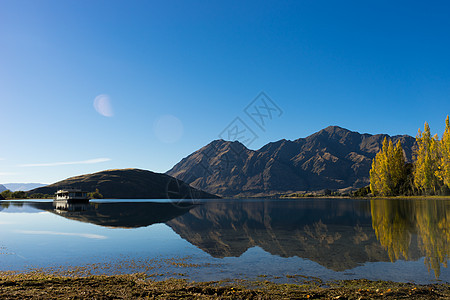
{"type": "Point", "coordinates": [278, 240]}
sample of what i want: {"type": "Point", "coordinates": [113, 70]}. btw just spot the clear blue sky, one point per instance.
{"type": "Point", "coordinates": [169, 76]}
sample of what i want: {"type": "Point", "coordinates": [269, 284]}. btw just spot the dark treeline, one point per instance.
{"type": "Point", "coordinates": [23, 195]}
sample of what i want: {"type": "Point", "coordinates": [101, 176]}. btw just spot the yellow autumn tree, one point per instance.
{"type": "Point", "coordinates": [443, 172]}
{"type": "Point", "coordinates": [398, 168]}
{"type": "Point", "coordinates": [379, 172]}
{"type": "Point", "coordinates": [388, 169]}
{"type": "Point", "coordinates": [427, 159]}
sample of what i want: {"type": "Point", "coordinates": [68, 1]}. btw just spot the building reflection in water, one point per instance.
{"type": "Point", "coordinates": [64, 206]}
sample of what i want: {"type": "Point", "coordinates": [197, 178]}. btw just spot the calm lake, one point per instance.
{"type": "Point", "coordinates": [278, 240]}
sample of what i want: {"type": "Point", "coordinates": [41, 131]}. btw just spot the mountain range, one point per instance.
{"type": "Point", "coordinates": [333, 158]}
{"type": "Point", "coordinates": [128, 184]}
{"type": "Point", "coordinates": [21, 186]}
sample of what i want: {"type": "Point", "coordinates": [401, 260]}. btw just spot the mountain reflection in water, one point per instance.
{"type": "Point", "coordinates": [338, 234]}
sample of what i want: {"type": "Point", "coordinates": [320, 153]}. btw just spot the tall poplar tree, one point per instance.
{"type": "Point", "coordinates": [378, 173]}
{"type": "Point", "coordinates": [444, 164]}
{"type": "Point", "coordinates": [388, 170]}
{"type": "Point", "coordinates": [398, 168]}
{"type": "Point", "coordinates": [426, 163]}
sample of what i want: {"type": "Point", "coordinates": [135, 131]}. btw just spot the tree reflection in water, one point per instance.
{"type": "Point", "coordinates": [398, 221]}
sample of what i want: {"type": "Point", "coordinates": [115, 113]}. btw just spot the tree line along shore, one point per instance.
{"type": "Point", "coordinates": [24, 195]}
{"type": "Point", "coordinates": [428, 174]}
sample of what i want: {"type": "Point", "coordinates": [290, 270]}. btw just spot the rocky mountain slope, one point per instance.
{"type": "Point", "coordinates": [333, 158]}
{"type": "Point", "coordinates": [129, 184]}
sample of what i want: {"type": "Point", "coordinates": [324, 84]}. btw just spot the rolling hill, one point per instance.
{"type": "Point", "coordinates": [129, 184]}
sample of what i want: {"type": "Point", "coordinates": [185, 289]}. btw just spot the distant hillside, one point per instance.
{"type": "Point", "coordinates": [333, 158]}
{"type": "Point", "coordinates": [2, 188]}
{"type": "Point", "coordinates": [22, 186]}
{"type": "Point", "coordinates": [129, 184]}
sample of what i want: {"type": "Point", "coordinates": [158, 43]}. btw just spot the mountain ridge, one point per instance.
{"type": "Point", "coordinates": [332, 158]}
{"type": "Point", "coordinates": [128, 184]}
{"type": "Point", "coordinates": [22, 186]}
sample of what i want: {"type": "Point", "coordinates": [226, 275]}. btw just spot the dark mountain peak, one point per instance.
{"type": "Point", "coordinates": [217, 142]}
{"type": "Point", "coordinates": [335, 129]}
{"type": "Point", "coordinates": [334, 133]}
{"type": "Point", "coordinates": [218, 147]}
{"type": "Point", "coordinates": [224, 145]}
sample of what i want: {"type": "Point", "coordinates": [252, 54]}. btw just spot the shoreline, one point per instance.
{"type": "Point", "coordinates": [268, 198]}
{"type": "Point", "coordinates": [372, 198]}
{"type": "Point", "coordinates": [15, 285]}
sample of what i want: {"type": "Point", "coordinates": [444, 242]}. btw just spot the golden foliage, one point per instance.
{"type": "Point", "coordinates": [443, 172]}
{"type": "Point", "coordinates": [388, 169]}
{"type": "Point", "coordinates": [427, 160]}
{"type": "Point", "coordinates": [430, 175]}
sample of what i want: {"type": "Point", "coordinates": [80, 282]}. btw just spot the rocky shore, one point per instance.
{"type": "Point", "coordinates": [37, 285]}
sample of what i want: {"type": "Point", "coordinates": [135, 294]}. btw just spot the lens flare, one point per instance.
{"type": "Point", "coordinates": [168, 128]}
{"type": "Point", "coordinates": [102, 104]}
